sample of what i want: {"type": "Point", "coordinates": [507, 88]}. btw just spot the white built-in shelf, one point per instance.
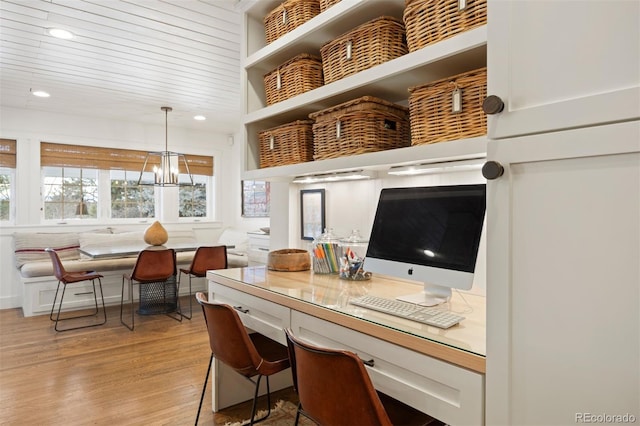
{"type": "Point", "coordinates": [390, 81]}
{"type": "Point", "coordinates": [379, 161]}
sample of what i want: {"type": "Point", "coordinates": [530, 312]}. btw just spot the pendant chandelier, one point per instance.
{"type": "Point", "coordinates": [166, 165]}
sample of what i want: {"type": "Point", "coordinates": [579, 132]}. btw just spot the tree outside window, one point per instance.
{"type": "Point", "coordinates": [193, 199]}
{"type": "Point", "coordinates": [7, 177]}
{"type": "Point", "coordinates": [128, 199]}
{"type": "Point", "coordinates": [5, 193]}
{"type": "Point", "coordinates": [70, 193]}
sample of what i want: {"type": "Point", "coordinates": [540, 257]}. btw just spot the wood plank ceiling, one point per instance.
{"type": "Point", "coordinates": [127, 59]}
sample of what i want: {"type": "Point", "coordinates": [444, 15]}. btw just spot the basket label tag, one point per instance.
{"type": "Point", "coordinates": [278, 81]}
{"type": "Point", "coordinates": [462, 5]}
{"type": "Point", "coordinates": [284, 16]}
{"type": "Point", "coordinates": [349, 50]}
{"type": "Point", "coordinates": [272, 141]}
{"type": "Point", "coordinates": [338, 129]}
{"type": "Point", "coordinates": [456, 101]}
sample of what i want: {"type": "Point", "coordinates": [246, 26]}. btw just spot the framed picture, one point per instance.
{"type": "Point", "coordinates": [256, 198]}
{"type": "Point", "coordinates": [311, 213]}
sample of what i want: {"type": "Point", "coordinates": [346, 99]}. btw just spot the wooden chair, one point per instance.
{"type": "Point", "coordinates": [206, 258]}
{"type": "Point", "coordinates": [250, 355]}
{"type": "Point", "coordinates": [334, 388]}
{"type": "Point", "coordinates": [155, 274]}
{"type": "Point", "coordinates": [66, 278]}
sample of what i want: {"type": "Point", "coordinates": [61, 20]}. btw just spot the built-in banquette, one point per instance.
{"type": "Point", "coordinates": [36, 270]}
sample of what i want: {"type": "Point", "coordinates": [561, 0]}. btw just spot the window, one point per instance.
{"type": "Point", "coordinates": [256, 198]}
{"type": "Point", "coordinates": [128, 199]}
{"type": "Point", "coordinates": [7, 176]}
{"type": "Point", "coordinates": [74, 174]}
{"type": "Point", "coordinates": [193, 199]}
{"type": "Point", "coordinates": [70, 193]}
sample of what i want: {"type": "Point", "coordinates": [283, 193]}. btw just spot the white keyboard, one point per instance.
{"type": "Point", "coordinates": [422, 314]}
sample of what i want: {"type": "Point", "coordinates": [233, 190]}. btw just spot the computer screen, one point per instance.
{"type": "Point", "coordinates": [429, 234]}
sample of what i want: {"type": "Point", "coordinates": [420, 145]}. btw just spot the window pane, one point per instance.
{"type": "Point", "coordinates": [70, 193]}
{"type": "Point", "coordinates": [193, 199]}
{"type": "Point", "coordinates": [5, 193]}
{"type": "Point", "coordinates": [255, 198]}
{"type": "Point", "coordinates": [128, 199]}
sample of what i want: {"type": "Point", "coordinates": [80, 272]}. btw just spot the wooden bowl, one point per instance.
{"type": "Point", "coordinates": [289, 260]}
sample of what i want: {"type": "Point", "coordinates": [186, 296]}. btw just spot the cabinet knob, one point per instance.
{"type": "Point", "coordinates": [492, 105]}
{"type": "Point", "coordinates": [492, 170]}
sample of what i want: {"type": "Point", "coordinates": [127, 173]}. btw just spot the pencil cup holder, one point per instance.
{"type": "Point", "coordinates": [353, 250]}
{"type": "Point", "coordinates": [326, 253]}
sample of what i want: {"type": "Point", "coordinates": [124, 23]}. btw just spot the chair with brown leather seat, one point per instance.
{"type": "Point", "coordinates": [66, 278]}
{"type": "Point", "coordinates": [155, 275]}
{"type": "Point", "coordinates": [205, 258]}
{"type": "Point", "coordinates": [250, 355]}
{"type": "Point", "coordinates": [334, 388]}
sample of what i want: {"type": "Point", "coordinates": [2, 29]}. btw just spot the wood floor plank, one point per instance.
{"type": "Point", "coordinates": [106, 375]}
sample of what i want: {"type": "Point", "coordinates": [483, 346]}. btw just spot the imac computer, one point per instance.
{"type": "Point", "coordinates": [428, 234]}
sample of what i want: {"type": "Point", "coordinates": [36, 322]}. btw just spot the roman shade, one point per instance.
{"type": "Point", "coordinates": [63, 155]}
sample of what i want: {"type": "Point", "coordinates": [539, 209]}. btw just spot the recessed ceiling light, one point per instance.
{"type": "Point", "coordinates": [40, 93]}
{"type": "Point", "coordinates": [60, 33]}
{"type": "Point", "coordinates": [200, 117]}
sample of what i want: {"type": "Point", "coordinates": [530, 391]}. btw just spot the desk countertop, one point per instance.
{"type": "Point", "coordinates": [326, 297]}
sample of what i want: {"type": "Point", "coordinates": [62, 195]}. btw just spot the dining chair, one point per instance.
{"type": "Point", "coordinates": [66, 278]}
{"type": "Point", "coordinates": [205, 258]}
{"type": "Point", "coordinates": [249, 354]}
{"type": "Point", "coordinates": [155, 274]}
{"type": "Point", "coordinates": [334, 388]}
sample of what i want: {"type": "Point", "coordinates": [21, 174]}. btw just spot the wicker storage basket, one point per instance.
{"type": "Point", "coordinates": [431, 108]}
{"type": "Point", "coordinates": [362, 125]}
{"type": "Point", "coordinates": [289, 143]}
{"type": "Point", "coordinates": [429, 21]}
{"type": "Point", "coordinates": [370, 44]}
{"type": "Point", "coordinates": [298, 75]}
{"type": "Point", "coordinates": [287, 16]}
{"type": "Point", "coordinates": [326, 4]}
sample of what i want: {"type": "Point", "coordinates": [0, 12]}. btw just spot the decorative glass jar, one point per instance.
{"type": "Point", "coordinates": [325, 252]}
{"type": "Point", "coordinates": [353, 250]}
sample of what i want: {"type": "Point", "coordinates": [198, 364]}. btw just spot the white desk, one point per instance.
{"type": "Point", "coordinates": [440, 372]}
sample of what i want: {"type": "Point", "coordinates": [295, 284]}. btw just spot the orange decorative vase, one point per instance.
{"type": "Point", "coordinates": [156, 235]}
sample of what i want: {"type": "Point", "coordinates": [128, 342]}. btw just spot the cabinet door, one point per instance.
{"type": "Point", "coordinates": [562, 64]}
{"type": "Point", "coordinates": [563, 281]}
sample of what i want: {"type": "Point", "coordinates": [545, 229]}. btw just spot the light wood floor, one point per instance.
{"type": "Point", "coordinates": [107, 375]}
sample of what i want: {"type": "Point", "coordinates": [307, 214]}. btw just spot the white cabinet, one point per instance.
{"type": "Point", "coordinates": [258, 250]}
{"type": "Point", "coordinates": [563, 241]}
{"type": "Point", "coordinates": [562, 64]}
{"type": "Point", "coordinates": [259, 315]}
{"type": "Point", "coordinates": [388, 81]}
{"type": "Point", "coordinates": [563, 292]}
{"type": "Point", "coordinates": [447, 392]}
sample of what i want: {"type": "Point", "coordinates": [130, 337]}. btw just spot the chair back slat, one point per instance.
{"type": "Point", "coordinates": [228, 338]}
{"type": "Point", "coordinates": [340, 378]}
{"type": "Point", "coordinates": [58, 268]}
{"type": "Point", "coordinates": [154, 265]}
{"type": "Point", "coordinates": [207, 258]}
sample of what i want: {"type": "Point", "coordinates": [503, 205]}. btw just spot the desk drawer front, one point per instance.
{"type": "Point", "coordinates": [449, 393]}
{"type": "Point", "coordinates": [260, 315]}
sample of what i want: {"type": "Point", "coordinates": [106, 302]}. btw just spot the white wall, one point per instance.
{"type": "Point", "coordinates": [29, 128]}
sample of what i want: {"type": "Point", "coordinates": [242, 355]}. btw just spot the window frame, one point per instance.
{"type": "Point", "coordinates": [11, 173]}
{"type": "Point", "coordinates": [106, 159]}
